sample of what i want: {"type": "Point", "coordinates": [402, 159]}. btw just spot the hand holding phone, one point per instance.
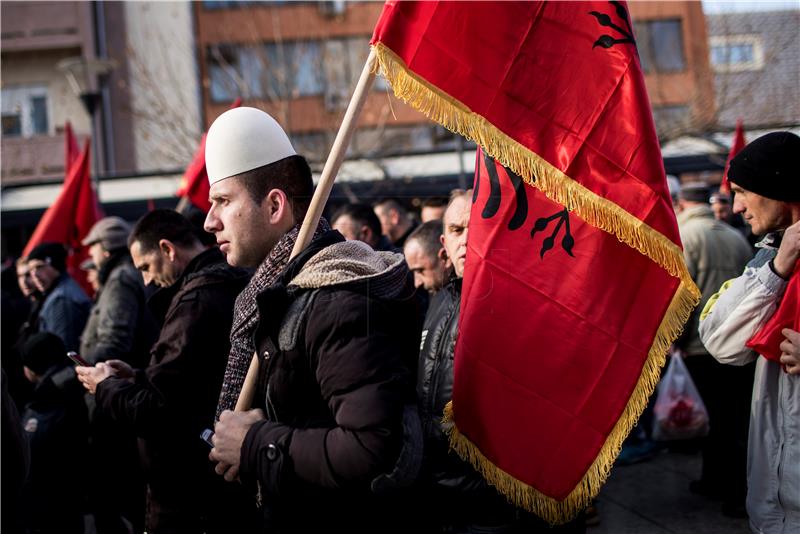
{"type": "Point", "coordinates": [75, 357]}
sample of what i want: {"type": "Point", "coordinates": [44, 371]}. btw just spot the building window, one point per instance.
{"type": "Point", "coordinates": [660, 44]}
{"type": "Point", "coordinates": [671, 120]}
{"type": "Point", "coordinates": [273, 71]}
{"type": "Point", "coordinates": [25, 111]}
{"type": "Point", "coordinates": [736, 53]}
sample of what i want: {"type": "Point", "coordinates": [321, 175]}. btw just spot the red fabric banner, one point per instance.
{"type": "Point", "coordinates": [737, 145]}
{"type": "Point", "coordinates": [194, 184]}
{"type": "Point", "coordinates": [575, 282]}
{"type": "Point", "coordinates": [767, 341]}
{"type": "Point", "coordinates": [70, 217]}
{"type": "Point", "coordinates": [71, 150]}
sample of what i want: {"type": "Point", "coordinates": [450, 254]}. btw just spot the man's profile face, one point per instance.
{"type": "Point", "coordinates": [43, 274]}
{"type": "Point", "coordinates": [24, 279]}
{"type": "Point", "coordinates": [98, 254]}
{"type": "Point", "coordinates": [454, 238]}
{"type": "Point", "coordinates": [429, 272]}
{"type": "Point", "coordinates": [431, 213]}
{"type": "Point", "coordinates": [388, 218]}
{"type": "Point", "coordinates": [722, 211]}
{"type": "Point", "coordinates": [242, 228]}
{"type": "Point", "coordinates": [347, 227]}
{"type": "Point", "coordinates": [763, 214]}
{"type": "Point", "coordinates": [154, 266]}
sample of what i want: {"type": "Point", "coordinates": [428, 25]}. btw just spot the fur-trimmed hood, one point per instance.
{"type": "Point", "coordinates": [354, 264]}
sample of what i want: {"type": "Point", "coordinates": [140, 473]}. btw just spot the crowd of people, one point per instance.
{"type": "Point", "coordinates": [352, 343]}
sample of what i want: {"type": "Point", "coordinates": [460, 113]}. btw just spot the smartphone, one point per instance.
{"type": "Point", "coordinates": [206, 436]}
{"type": "Point", "coordinates": [72, 355]}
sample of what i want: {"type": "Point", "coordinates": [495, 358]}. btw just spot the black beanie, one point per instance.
{"type": "Point", "coordinates": [770, 167]}
{"type": "Point", "coordinates": [53, 253]}
{"type": "Point", "coordinates": [42, 351]}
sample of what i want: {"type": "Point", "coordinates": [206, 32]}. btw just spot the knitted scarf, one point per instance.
{"type": "Point", "coordinates": [245, 316]}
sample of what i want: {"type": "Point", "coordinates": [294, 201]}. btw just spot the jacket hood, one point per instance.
{"type": "Point", "coordinates": [353, 263]}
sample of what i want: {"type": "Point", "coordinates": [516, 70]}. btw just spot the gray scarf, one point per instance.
{"type": "Point", "coordinates": [245, 316]}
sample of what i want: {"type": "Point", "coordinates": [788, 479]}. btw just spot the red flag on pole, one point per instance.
{"type": "Point", "coordinates": [194, 184]}
{"type": "Point", "coordinates": [574, 253]}
{"type": "Point", "coordinates": [70, 217]}
{"type": "Point", "coordinates": [71, 150]}
{"type": "Point", "coordinates": [736, 146]}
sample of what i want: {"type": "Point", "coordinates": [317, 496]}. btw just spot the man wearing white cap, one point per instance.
{"type": "Point", "coordinates": [334, 331]}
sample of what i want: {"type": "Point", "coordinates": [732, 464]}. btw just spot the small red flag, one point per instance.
{"type": "Point", "coordinates": [736, 146]}
{"type": "Point", "coordinates": [70, 217]}
{"type": "Point", "coordinates": [575, 282]}
{"type": "Point", "coordinates": [194, 184]}
{"type": "Point", "coordinates": [71, 150]}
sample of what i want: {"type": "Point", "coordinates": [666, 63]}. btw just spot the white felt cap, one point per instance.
{"type": "Point", "coordinates": [243, 139]}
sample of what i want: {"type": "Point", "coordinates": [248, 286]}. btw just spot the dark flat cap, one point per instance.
{"type": "Point", "coordinates": [770, 167]}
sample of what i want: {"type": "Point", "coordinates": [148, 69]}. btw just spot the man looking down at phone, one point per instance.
{"type": "Point", "coordinates": [169, 403]}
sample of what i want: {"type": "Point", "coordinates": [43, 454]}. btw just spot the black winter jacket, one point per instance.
{"type": "Point", "coordinates": [336, 377]}
{"type": "Point", "coordinates": [174, 399]}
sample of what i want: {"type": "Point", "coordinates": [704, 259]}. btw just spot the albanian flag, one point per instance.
{"type": "Point", "coordinates": [575, 281]}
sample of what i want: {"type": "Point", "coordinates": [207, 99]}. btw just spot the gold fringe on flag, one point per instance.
{"type": "Point", "coordinates": [595, 210]}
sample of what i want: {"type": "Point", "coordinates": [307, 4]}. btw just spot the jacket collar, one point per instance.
{"type": "Point", "coordinates": [160, 301]}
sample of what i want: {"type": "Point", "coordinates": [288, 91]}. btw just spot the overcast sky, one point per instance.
{"type": "Point", "coordinates": [717, 6]}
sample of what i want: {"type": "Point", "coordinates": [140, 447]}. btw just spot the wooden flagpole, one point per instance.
{"type": "Point", "coordinates": [320, 198]}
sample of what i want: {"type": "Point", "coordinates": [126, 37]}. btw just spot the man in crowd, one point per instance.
{"type": "Point", "coordinates": [172, 401]}
{"type": "Point", "coordinates": [120, 327]}
{"type": "Point", "coordinates": [714, 253]}
{"type": "Point", "coordinates": [456, 498]}
{"type": "Point", "coordinates": [763, 177]}
{"type": "Point", "coordinates": [723, 211]}
{"type": "Point", "coordinates": [65, 307]}
{"type": "Point", "coordinates": [334, 338]}
{"type": "Point", "coordinates": [359, 222]}
{"type": "Point", "coordinates": [427, 258]}
{"type": "Point", "coordinates": [396, 223]}
{"type": "Point", "coordinates": [433, 209]}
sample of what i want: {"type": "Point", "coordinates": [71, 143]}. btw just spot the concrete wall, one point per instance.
{"type": "Point", "coordinates": [163, 83]}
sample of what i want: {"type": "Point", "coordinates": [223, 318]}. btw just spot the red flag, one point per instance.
{"type": "Point", "coordinates": [574, 253]}
{"type": "Point", "coordinates": [71, 150]}
{"type": "Point", "coordinates": [767, 341]}
{"type": "Point", "coordinates": [736, 146]}
{"type": "Point", "coordinates": [194, 184]}
{"type": "Point", "coordinates": [70, 217]}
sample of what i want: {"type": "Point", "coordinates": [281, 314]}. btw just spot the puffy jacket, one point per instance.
{"type": "Point", "coordinates": [336, 339]}
{"type": "Point", "coordinates": [729, 320]}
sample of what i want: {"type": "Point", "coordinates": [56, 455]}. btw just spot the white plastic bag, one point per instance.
{"type": "Point", "coordinates": [679, 412]}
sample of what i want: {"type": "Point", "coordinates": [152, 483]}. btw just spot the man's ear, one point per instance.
{"type": "Point", "coordinates": [442, 254]}
{"type": "Point", "coordinates": [277, 206]}
{"type": "Point", "coordinates": [167, 249]}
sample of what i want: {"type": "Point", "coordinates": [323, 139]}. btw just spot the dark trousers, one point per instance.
{"type": "Point", "coordinates": [726, 391]}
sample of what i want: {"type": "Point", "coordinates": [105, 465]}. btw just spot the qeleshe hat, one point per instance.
{"type": "Point", "coordinates": [111, 232]}
{"type": "Point", "coordinates": [243, 139]}
{"type": "Point", "coordinates": [770, 167]}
